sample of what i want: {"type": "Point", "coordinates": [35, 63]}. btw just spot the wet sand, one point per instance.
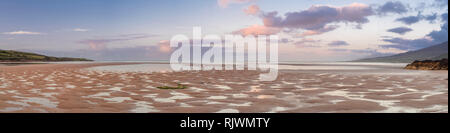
{"type": "Point", "coordinates": [61, 88]}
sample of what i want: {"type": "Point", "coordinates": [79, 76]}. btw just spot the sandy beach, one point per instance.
{"type": "Point", "coordinates": [67, 88]}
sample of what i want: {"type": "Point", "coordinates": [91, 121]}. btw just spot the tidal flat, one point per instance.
{"type": "Point", "coordinates": [299, 88]}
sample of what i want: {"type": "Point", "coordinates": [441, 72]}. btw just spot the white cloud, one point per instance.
{"type": "Point", "coordinates": [80, 30]}
{"type": "Point", "coordinates": [22, 33]}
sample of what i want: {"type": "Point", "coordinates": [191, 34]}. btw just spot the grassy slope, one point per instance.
{"type": "Point", "coordinates": [10, 55]}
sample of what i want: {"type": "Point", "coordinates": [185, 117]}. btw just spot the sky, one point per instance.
{"type": "Point", "coordinates": [319, 30]}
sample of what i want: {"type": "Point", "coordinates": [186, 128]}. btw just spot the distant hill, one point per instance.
{"type": "Point", "coordinates": [443, 56]}
{"type": "Point", "coordinates": [436, 52]}
{"type": "Point", "coordinates": [16, 56]}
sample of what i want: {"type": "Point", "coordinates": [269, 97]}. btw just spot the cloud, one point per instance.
{"type": "Point", "coordinates": [226, 3]}
{"type": "Point", "coordinates": [315, 19]}
{"type": "Point", "coordinates": [319, 31]}
{"type": "Point", "coordinates": [80, 30]}
{"type": "Point", "coordinates": [409, 20]}
{"type": "Point", "coordinates": [433, 38]}
{"type": "Point", "coordinates": [258, 30]}
{"type": "Point", "coordinates": [431, 18]}
{"type": "Point", "coordinates": [392, 7]}
{"type": "Point", "coordinates": [161, 51]}
{"type": "Point", "coordinates": [338, 43]}
{"type": "Point", "coordinates": [400, 30]}
{"type": "Point", "coordinates": [164, 46]}
{"type": "Point", "coordinates": [408, 44]}
{"type": "Point", "coordinates": [318, 16]}
{"type": "Point", "coordinates": [285, 40]}
{"type": "Point", "coordinates": [307, 42]}
{"type": "Point", "coordinates": [442, 34]}
{"type": "Point", "coordinates": [252, 10]}
{"type": "Point", "coordinates": [440, 3]}
{"type": "Point", "coordinates": [22, 33]}
{"type": "Point", "coordinates": [100, 44]}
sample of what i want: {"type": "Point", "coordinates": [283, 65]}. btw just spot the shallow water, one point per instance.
{"type": "Point", "coordinates": [146, 68]}
{"type": "Point", "coordinates": [18, 64]}
{"type": "Point", "coordinates": [165, 67]}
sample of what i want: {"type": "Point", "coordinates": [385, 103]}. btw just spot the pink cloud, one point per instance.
{"type": "Point", "coordinates": [97, 46]}
{"type": "Point", "coordinates": [252, 10]}
{"type": "Point", "coordinates": [258, 30]}
{"type": "Point", "coordinates": [164, 46]}
{"type": "Point", "coordinates": [318, 31]}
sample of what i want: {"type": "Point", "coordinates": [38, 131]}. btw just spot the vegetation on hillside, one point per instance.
{"type": "Point", "coordinates": [16, 56]}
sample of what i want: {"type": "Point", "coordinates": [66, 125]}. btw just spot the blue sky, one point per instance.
{"type": "Point", "coordinates": [121, 29]}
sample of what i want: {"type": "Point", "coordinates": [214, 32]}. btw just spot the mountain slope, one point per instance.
{"type": "Point", "coordinates": [435, 52]}
{"type": "Point", "coordinates": [13, 56]}
{"type": "Point", "coordinates": [443, 56]}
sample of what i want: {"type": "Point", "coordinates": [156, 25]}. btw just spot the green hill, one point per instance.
{"type": "Point", "coordinates": [436, 52]}
{"type": "Point", "coordinates": [16, 56]}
